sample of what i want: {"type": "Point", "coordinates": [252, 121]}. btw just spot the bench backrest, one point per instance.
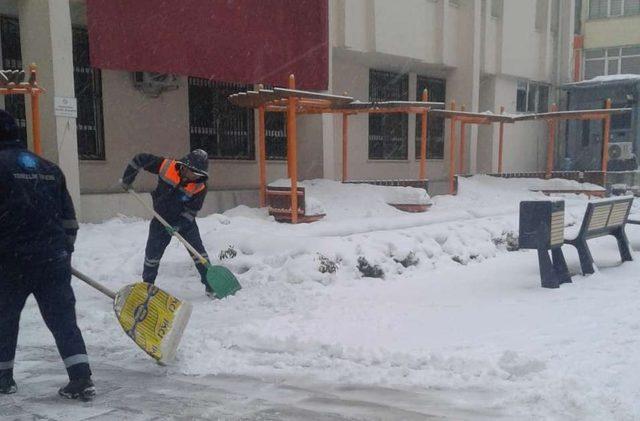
{"type": "Point", "coordinates": [279, 199]}
{"type": "Point", "coordinates": [604, 216]}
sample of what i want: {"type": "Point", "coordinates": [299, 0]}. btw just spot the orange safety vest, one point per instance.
{"type": "Point", "coordinates": [169, 174]}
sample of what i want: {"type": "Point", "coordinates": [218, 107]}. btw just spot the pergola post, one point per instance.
{"type": "Point", "coordinates": [262, 157]}
{"type": "Point", "coordinates": [423, 138]}
{"type": "Point", "coordinates": [452, 150]}
{"type": "Point", "coordinates": [551, 143]}
{"type": "Point", "coordinates": [500, 142]}
{"type": "Point", "coordinates": [605, 143]}
{"type": "Point", "coordinates": [292, 152]}
{"type": "Point", "coordinates": [345, 145]}
{"type": "Point", "coordinates": [462, 137]}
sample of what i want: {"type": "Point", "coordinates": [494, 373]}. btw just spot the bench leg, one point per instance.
{"type": "Point", "coordinates": [548, 276]}
{"type": "Point", "coordinates": [586, 261]}
{"type": "Point", "coordinates": [560, 265]}
{"type": "Point", "coordinates": [623, 244]}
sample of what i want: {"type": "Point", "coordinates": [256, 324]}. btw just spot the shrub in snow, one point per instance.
{"type": "Point", "coordinates": [409, 260]}
{"type": "Point", "coordinates": [368, 270]}
{"type": "Point", "coordinates": [229, 253]}
{"type": "Point", "coordinates": [508, 239]}
{"type": "Point", "coordinates": [327, 265]}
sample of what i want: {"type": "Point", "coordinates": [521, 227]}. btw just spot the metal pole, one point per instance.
{"type": "Point", "coordinates": [345, 145]}
{"type": "Point", "coordinates": [261, 156]}
{"type": "Point", "coordinates": [462, 139]}
{"type": "Point", "coordinates": [293, 154]}
{"type": "Point", "coordinates": [500, 142]}
{"type": "Point", "coordinates": [605, 143]}
{"type": "Point", "coordinates": [423, 139]}
{"type": "Point", "coordinates": [552, 143]}
{"type": "Point", "coordinates": [452, 150]}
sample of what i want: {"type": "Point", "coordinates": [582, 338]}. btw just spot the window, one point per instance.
{"type": "Point", "coordinates": [613, 8]}
{"type": "Point", "coordinates": [276, 136]}
{"type": "Point", "coordinates": [496, 8]}
{"type": "Point", "coordinates": [435, 126]}
{"type": "Point", "coordinates": [88, 91]}
{"type": "Point", "coordinates": [12, 59]}
{"type": "Point", "coordinates": [532, 97]}
{"type": "Point", "coordinates": [222, 129]}
{"type": "Point", "coordinates": [611, 61]}
{"type": "Point", "coordinates": [388, 133]}
{"type": "Point", "coordinates": [521, 97]}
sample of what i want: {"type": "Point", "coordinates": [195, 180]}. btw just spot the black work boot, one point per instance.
{"type": "Point", "coordinates": [82, 389]}
{"type": "Point", "coordinates": [7, 384]}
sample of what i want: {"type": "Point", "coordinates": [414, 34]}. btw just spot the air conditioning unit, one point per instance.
{"type": "Point", "coordinates": [153, 84]}
{"type": "Point", "coordinates": [621, 150]}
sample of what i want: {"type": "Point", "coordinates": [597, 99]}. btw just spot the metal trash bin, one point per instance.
{"type": "Point", "coordinates": [542, 228]}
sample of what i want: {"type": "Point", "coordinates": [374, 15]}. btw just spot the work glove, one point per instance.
{"type": "Point", "coordinates": [171, 230]}
{"type": "Point", "coordinates": [125, 186]}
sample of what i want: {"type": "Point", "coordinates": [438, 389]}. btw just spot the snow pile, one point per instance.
{"type": "Point", "coordinates": [373, 296]}
{"type": "Point", "coordinates": [339, 201]}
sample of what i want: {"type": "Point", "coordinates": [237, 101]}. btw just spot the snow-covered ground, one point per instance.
{"type": "Point", "coordinates": [454, 326]}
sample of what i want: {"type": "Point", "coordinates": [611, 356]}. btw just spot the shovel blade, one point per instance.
{"type": "Point", "coordinates": [222, 281]}
{"type": "Point", "coordinates": [153, 318]}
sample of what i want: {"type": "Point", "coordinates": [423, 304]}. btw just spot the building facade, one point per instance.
{"type": "Point", "coordinates": [482, 54]}
{"type": "Point", "coordinates": [606, 66]}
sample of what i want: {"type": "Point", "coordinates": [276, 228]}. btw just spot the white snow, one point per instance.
{"type": "Point", "coordinates": [340, 201]}
{"type": "Point", "coordinates": [455, 312]}
{"type": "Point", "coordinates": [610, 78]}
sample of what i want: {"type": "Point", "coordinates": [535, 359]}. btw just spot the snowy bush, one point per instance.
{"type": "Point", "coordinates": [327, 265]}
{"type": "Point", "coordinates": [368, 270]}
{"type": "Point", "coordinates": [509, 240]}
{"type": "Point", "coordinates": [229, 253]}
{"type": "Point", "coordinates": [409, 260]}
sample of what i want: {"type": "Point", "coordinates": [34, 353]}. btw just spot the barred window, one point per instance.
{"type": "Point", "coordinates": [276, 135]}
{"type": "Point", "coordinates": [388, 133]}
{"type": "Point", "coordinates": [532, 97]}
{"type": "Point", "coordinates": [12, 59]}
{"type": "Point", "coordinates": [611, 61]}
{"type": "Point", "coordinates": [88, 91]}
{"type": "Point", "coordinates": [435, 126]}
{"type": "Point", "coordinates": [613, 8]}
{"type": "Point", "coordinates": [222, 129]}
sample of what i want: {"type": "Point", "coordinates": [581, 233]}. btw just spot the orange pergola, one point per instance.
{"type": "Point", "coordinates": [296, 102]}
{"type": "Point", "coordinates": [465, 118]}
{"type": "Point", "coordinates": [554, 116]}
{"type": "Point", "coordinates": [551, 118]}
{"type": "Point", "coordinates": [12, 82]}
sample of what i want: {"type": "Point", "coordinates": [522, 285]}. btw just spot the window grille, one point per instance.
{"type": "Point", "coordinates": [611, 61]}
{"type": "Point", "coordinates": [88, 91]}
{"type": "Point", "coordinates": [222, 129]}
{"type": "Point", "coordinates": [12, 59]}
{"type": "Point", "coordinates": [435, 126]}
{"type": "Point", "coordinates": [388, 133]}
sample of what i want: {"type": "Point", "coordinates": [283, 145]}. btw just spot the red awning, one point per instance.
{"type": "Point", "coordinates": [242, 41]}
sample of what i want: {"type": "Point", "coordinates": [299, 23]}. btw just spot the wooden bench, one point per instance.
{"type": "Point", "coordinates": [279, 205]}
{"type": "Point", "coordinates": [602, 217]}
{"type": "Point", "coordinates": [406, 207]}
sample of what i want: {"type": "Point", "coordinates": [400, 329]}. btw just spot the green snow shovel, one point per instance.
{"type": "Point", "coordinates": [219, 278]}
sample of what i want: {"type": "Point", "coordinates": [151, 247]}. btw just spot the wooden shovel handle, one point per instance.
{"type": "Point", "coordinates": [84, 278]}
{"type": "Point", "coordinates": [167, 225]}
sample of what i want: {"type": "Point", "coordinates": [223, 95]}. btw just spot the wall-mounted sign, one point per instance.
{"type": "Point", "coordinates": [65, 107]}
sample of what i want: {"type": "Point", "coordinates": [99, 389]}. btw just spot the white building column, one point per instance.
{"type": "Point", "coordinates": [45, 37]}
